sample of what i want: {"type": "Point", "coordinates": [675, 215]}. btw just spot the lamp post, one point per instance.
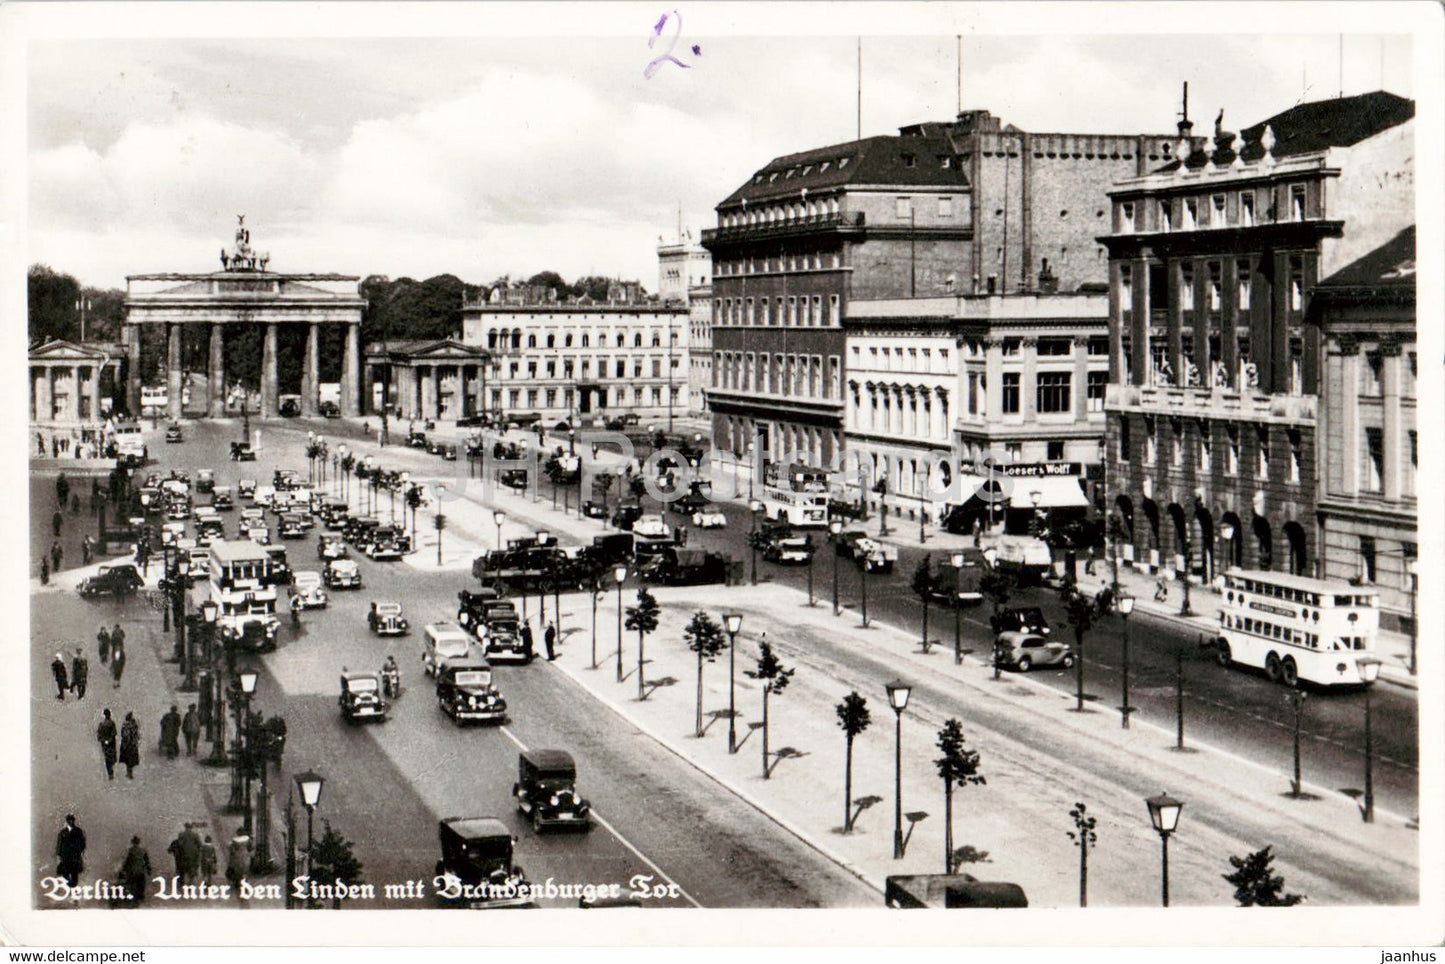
{"type": "Point", "coordinates": [1296, 697]}
{"type": "Point", "coordinates": [370, 463]}
{"type": "Point", "coordinates": [440, 522]}
{"type": "Point", "coordinates": [619, 574]}
{"type": "Point", "coordinates": [732, 622]}
{"type": "Point", "coordinates": [1187, 549]}
{"type": "Point", "coordinates": [752, 468]}
{"type": "Point", "coordinates": [1164, 813]}
{"type": "Point", "coordinates": [922, 514]}
{"type": "Point", "coordinates": [863, 588]}
{"type": "Point", "coordinates": [187, 638]}
{"type": "Point", "coordinates": [405, 486]}
{"type": "Point", "coordinates": [1412, 569]}
{"type": "Point", "coordinates": [209, 611]}
{"type": "Point", "coordinates": [311, 458]}
{"type": "Point", "coordinates": [1369, 668]}
{"type": "Point", "coordinates": [247, 678]}
{"type": "Point", "coordinates": [898, 692]}
{"type": "Point", "coordinates": [753, 507]}
{"type": "Point", "coordinates": [1036, 497]}
{"type": "Point", "coordinates": [498, 516]}
{"type": "Point", "coordinates": [342, 451]}
{"type": "Point", "coordinates": [957, 560]}
{"type": "Point", "coordinates": [309, 785]}
{"type": "Point", "coordinates": [834, 528]}
{"type": "Point", "coordinates": [1126, 606]}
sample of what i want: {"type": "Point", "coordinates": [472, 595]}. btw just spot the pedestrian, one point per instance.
{"type": "Point", "coordinates": [62, 489]}
{"type": "Point", "coordinates": [170, 733]}
{"type": "Point", "coordinates": [79, 674]}
{"type": "Point", "coordinates": [1161, 589]}
{"type": "Point", "coordinates": [40, 445]}
{"type": "Point", "coordinates": [75, 504]}
{"type": "Point", "coordinates": [62, 681]}
{"type": "Point", "coordinates": [238, 860]}
{"type": "Point", "coordinates": [117, 661]}
{"type": "Point", "coordinates": [85, 550]}
{"type": "Point", "coordinates": [135, 871]}
{"type": "Point", "coordinates": [56, 522]}
{"type": "Point", "coordinates": [550, 639]}
{"type": "Point", "coordinates": [102, 639]}
{"type": "Point", "coordinates": [56, 554]}
{"type": "Point", "coordinates": [527, 639]}
{"type": "Point", "coordinates": [208, 860]}
{"type": "Point", "coordinates": [191, 729]}
{"type": "Point", "coordinates": [44, 571]}
{"type": "Point", "coordinates": [185, 850]}
{"type": "Point", "coordinates": [105, 736]}
{"type": "Point", "coordinates": [130, 745]}
{"type": "Point", "coordinates": [95, 495]}
{"type": "Point", "coordinates": [69, 850]}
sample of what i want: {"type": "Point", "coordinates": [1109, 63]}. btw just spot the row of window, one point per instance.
{"type": "Point", "coordinates": [1372, 375]}
{"type": "Point", "coordinates": [798, 375]}
{"type": "Point", "coordinates": [1185, 277]}
{"type": "Point", "coordinates": [1220, 210]}
{"type": "Point", "coordinates": [786, 261]}
{"type": "Point", "coordinates": [907, 412]}
{"type": "Point", "coordinates": [568, 368]}
{"type": "Point", "coordinates": [780, 213]}
{"type": "Point", "coordinates": [1262, 627]}
{"type": "Point", "coordinates": [1053, 392]}
{"type": "Point", "coordinates": [531, 398]}
{"type": "Point", "coordinates": [903, 207]}
{"type": "Point", "coordinates": [1204, 448]}
{"type": "Point", "coordinates": [1048, 346]}
{"type": "Point", "coordinates": [896, 358]}
{"type": "Point", "coordinates": [793, 311]}
{"type": "Point", "coordinates": [502, 340]}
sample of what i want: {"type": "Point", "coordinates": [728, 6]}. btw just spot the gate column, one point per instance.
{"type": "Point", "coordinates": [268, 373]}
{"type": "Point", "coordinates": [350, 371]}
{"type": "Point", "coordinates": [310, 383]}
{"type": "Point", "coordinates": [173, 371]}
{"type": "Point", "coordinates": [216, 372]}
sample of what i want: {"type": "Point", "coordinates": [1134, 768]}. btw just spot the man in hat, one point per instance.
{"type": "Point", "coordinates": [79, 674]}
{"type": "Point", "coordinates": [69, 849]}
{"type": "Point", "coordinates": [191, 729]}
{"type": "Point", "coordinates": [171, 733]}
{"type": "Point", "coordinates": [62, 679]}
{"type": "Point", "coordinates": [105, 735]}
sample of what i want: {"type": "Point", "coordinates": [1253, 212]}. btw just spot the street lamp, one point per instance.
{"type": "Point", "coordinates": [405, 485]}
{"type": "Point", "coordinates": [1226, 535]}
{"type": "Point", "coordinates": [1126, 606]}
{"type": "Point", "coordinates": [1036, 497]}
{"type": "Point", "coordinates": [247, 678]}
{"type": "Point", "coordinates": [898, 692]}
{"type": "Point", "coordinates": [1187, 551]}
{"type": "Point", "coordinates": [754, 506]}
{"type": "Point", "coordinates": [499, 517]}
{"type": "Point", "coordinates": [440, 522]}
{"type": "Point", "coordinates": [309, 785]}
{"type": "Point", "coordinates": [1164, 813]}
{"type": "Point", "coordinates": [834, 528]}
{"type": "Point", "coordinates": [370, 463]}
{"type": "Point", "coordinates": [957, 560]}
{"type": "Point", "coordinates": [209, 611]}
{"type": "Point", "coordinates": [752, 468]}
{"type": "Point", "coordinates": [1412, 569]}
{"type": "Point", "coordinates": [619, 574]}
{"type": "Point", "coordinates": [1369, 668]}
{"type": "Point", "coordinates": [732, 622]}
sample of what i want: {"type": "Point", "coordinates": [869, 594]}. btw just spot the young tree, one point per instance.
{"type": "Point", "coordinates": [1255, 883]}
{"type": "Point", "coordinates": [332, 860]}
{"type": "Point", "coordinates": [705, 638]}
{"type": "Point", "coordinates": [958, 767]}
{"type": "Point", "coordinates": [774, 677]}
{"type": "Point", "coordinates": [922, 586]}
{"type": "Point", "coordinates": [1080, 611]}
{"type": "Point", "coordinates": [854, 718]}
{"type": "Point", "coordinates": [643, 618]}
{"type": "Point", "coordinates": [1083, 837]}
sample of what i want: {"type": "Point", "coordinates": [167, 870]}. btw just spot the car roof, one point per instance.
{"type": "Point", "coordinates": [549, 759]}
{"type": "Point", "coordinates": [464, 664]}
{"type": "Point", "coordinates": [387, 605]}
{"type": "Point", "coordinates": [1015, 635]}
{"type": "Point", "coordinates": [473, 827]}
{"type": "Point", "coordinates": [358, 675]}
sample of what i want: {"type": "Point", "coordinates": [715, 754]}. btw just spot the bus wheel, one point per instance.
{"type": "Point", "coordinates": [1290, 672]}
{"type": "Point", "coordinates": [1271, 668]}
{"type": "Point", "coordinates": [1223, 655]}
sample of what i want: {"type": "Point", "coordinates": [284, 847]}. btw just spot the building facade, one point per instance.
{"type": "Point", "coordinates": [72, 383]}
{"type": "Point", "coordinates": [1212, 410]}
{"type": "Point", "coordinates": [973, 206]}
{"type": "Point", "coordinates": [684, 273]}
{"type": "Point", "coordinates": [421, 379]}
{"type": "Point", "coordinates": [1369, 445]}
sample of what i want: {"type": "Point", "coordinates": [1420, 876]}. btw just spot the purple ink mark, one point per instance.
{"type": "Point", "coordinates": [697, 50]}
{"type": "Point", "coordinates": [654, 65]}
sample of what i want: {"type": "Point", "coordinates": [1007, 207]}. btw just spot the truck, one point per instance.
{"type": "Point", "coordinates": [675, 566]}
{"type": "Point", "coordinates": [1028, 560]}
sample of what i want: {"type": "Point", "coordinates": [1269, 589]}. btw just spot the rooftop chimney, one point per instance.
{"type": "Point", "coordinates": [1185, 124]}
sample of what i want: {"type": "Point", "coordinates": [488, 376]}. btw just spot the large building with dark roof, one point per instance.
{"type": "Point", "coordinates": [1211, 455]}
{"type": "Point", "coordinates": [968, 207]}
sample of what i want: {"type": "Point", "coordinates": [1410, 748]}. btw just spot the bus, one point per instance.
{"type": "Point", "coordinates": [795, 495]}
{"type": "Point", "coordinates": [154, 399]}
{"type": "Point", "coordinates": [1296, 628]}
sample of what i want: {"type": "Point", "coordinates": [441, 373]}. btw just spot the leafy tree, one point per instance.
{"type": "Point", "coordinates": [922, 586]}
{"type": "Point", "coordinates": [643, 618]}
{"type": "Point", "coordinates": [774, 677]}
{"type": "Point", "coordinates": [705, 638]}
{"type": "Point", "coordinates": [593, 286]}
{"type": "Point", "coordinates": [52, 296]}
{"type": "Point", "coordinates": [552, 280]}
{"type": "Point", "coordinates": [1256, 884]}
{"type": "Point", "coordinates": [854, 718]}
{"type": "Point", "coordinates": [413, 502]}
{"type": "Point", "coordinates": [957, 767]}
{"type": "Point", "coordinates": [1084, 837]}
{"type": "Point", "coordinates": [332, 861]}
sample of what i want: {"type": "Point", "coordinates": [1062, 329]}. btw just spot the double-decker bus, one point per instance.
{"type": "Point", "coordinates": [1296, 628]}
{"type": "Point", "coordinates": [796, 495]}
{"type": "Point", "coordinates": [154, 399]}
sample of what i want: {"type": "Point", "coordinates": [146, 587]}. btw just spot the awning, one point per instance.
{"type": "Point", "coordinates": [1055, 492]}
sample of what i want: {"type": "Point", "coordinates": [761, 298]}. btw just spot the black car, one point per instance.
{"type": "Point", "coordinates": [330, 410]}
{"type": "Point", "coordinates": [626, 515]}
{"type": "Point", "coordinates": [688, 504]}
{"type": "Point", "coordinates": [416, 440]}
{"type": "Point", "coordinates": [476, 867]}
{"type": "Point", "coordinates": [112, 581]}
{"type": "Point", "coordinates": [290, 408]}
{"type": "Point", "coordinates": [594, 510]}
{"type": "Point", "coordinates": [1023, 619]}
{"type": "Point", "coordinates": [465, 691]}
{"type": "Point", "coordinates": [242, 452]}
{"type": "Point", "coordinates": [546, 791]}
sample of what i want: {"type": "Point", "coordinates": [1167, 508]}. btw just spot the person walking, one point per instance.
{"type": "Point", "coordinates": [57, 521]}
{"type": "Point", "coordinates": [117, 655]}
{"type": "Point", "coordinates": [62, 680]}
{"type": "Point", "coordinates": [102, 640]}
{"type": "Point", "coordinates": [79, 674]}
{"type": "Point", "coordinates": [105, 736]}
{"type": "Point", "coordinates": [185, 850]}
{"type": "Point", "coordinates": [85, 550]}
{"type": "Point", "coordinates": [527, 639]}
{"type": "Point", "coordinates": [1161, 590]}
{"type": "Point", "coordinates": [70, 851]}
{"type": "Point", "coordinates": [44, 570]}
{"type": "Point", "coordinates": [62, 489]}
{"type": "Point", "coordinates": [130, 745]}
{"type": "Point", "coordinates": [191, 729]}
{"type": "Point", "coordinates": [171, 733]}
{"type": "Point", "coordinates": [238, 860]}
{"type": "Point", "coordinates": [549, 638]}
{"type": "Point", "coordinates": [208, 860]}
{"type": "Point", "coordinates": [135, 871]}
{"type": "Point", "coordinates": [56, 554]}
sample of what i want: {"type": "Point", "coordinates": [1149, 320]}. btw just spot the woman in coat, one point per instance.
{"type": "Point", "coordinates": [135, 870]}
{"type": "Point", "coordinates": [130, 744]}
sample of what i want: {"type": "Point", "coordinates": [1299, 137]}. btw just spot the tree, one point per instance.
{"type": "Point", "coordinates": [705, 638]}
{"type": "Point", "coordinates": [922, 587]}
{"type": "Point", "coordinates": [1255, 884]}
{"type": "Point", "coordinates": [854, 718]}
{"type": "Point", "coordinates": [332, 861]}
{"type": "Point", "coordinates": [643, 618]}
{"type": "Point", "coordinates": [51, 297]}
{"type": "Point", "coordinates": [550, 280]}
{"type": "Point", "coordinates": [957, 767]}
{"type": "Point", "coordinates": [1080, 611]}
{"type": "Point", "coordinates": [774, 677]}
{"type": "Point", "coordinates": [413, 502]}
{"type": "Point", "coordinates": [592, 286]}
{"type": "Point", "coordinates": [1084, 838]}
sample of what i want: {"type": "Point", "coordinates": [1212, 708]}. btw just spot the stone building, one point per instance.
{"type": "Point", "coordinates": [71, 383]}
{"type": "Point", "coordinates": [1368, 452]}
{"type": "Point", "coordinates": [684, 273]}
{"type": "Point", "coordinates": [425, 378]}
{"type": "Point", "coordinates": [1211, 414]}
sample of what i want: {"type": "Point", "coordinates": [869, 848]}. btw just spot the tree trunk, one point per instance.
{"type": "Point", "coordinates": [848, 787]}
{"type": "Point", "coordinates": [699, 695]}
{"type": "Point", "coordinates": [925, 625]}
{"type": "Point", "coordinates": [766, 772]}
{"type": "Point", "coordinates": [1083, 869]}
{"type": "Point", "coordinates": [948, 826]}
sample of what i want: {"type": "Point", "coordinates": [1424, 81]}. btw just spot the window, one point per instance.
{"type": "Point", "coordinates": [1243, 270]}
{"type": "Point", "coordinates": [1262, 434]}
{"type": "Point", "coordinates": [1166, 216]}
{"type": "Point", "coordinates": [531, 341]}
{"type": "Point", "coordinates": [1409, 486]}
{"type": "Point", "coordinates": [1151, 441]}
{"type": "Point", "coordinates": [1126, 293]}
{"type": "Point", "coordinates": [1206, 454]}
{"type": "Point", "coordinates": [1056, 346]}
{"type": "Point", "coordinates": [1297, 202]}
{"type": "Point", "coordinates": [973, 393]}
{"type": "Point", "coordinates": [1014, 451]}
{"type": "Point", "coordinates": [657, 368]}
{"type": "Point", "coordinates": [551, 369]}
{"type": "Point", "coordinates": [637, 340]}
{"type": "Point", "coordinates": [1246, 209]}
{"type": "Point", "coordinates": [531, 369]}
{"type": "Point", "coordinates": [1296, 284]}
{"type": "Point", "coordinates": [1373, 382]}
{"type": "Point", "coordinates": [1055, 392]}
{"type": "Point", "coordinates": [621, 368]}
{"type": "Point", "coordinates": [551, 398]}
{"type": "Point", "coordinates": [1191, 214]}
{"type": "Point", "coordinates": [657, 396]}
{"type": "Point", "coordinates": [1010, 393]}
{"type": "Point", "coordinates": [945, 205]}
{"type": "Point", "coordinates": [1375, 460]}
{"type": "Point", "coordinates": [1216, 211]}
{"type": "Point", "coordinates": [1011, 346]}
{"type": "Point", "coordinates": [1096, 387]}
{"type": "Point", "coordinates": [1367, 558]}
{"type": "Point", "coordinates": [1216, 286]}
{"type": "Point", "coordinates": [904, 207]}
{"type": "Point", "coordinates": [1099, 345]}
{"type": "Point", "coordinates": [1295, 456]}
{"type": "Point", "coordinates": [551, 341]}
{"type": "Point", "coordinates": [1055, 452]}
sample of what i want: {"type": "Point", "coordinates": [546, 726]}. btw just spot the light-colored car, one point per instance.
{"type": "Point", "coordinates": [652, 527]}
{"type": "Point", "coordinates": [385, 619]}
{"type": "Point", "coordinates": [257, 532]}
{"type": "Point", "coordinates": [171, 531]}
{"type": "Point", "coordinates": [789, 550]}
{"type": "Point", "coordinates": [332, 546]}
{"type": "Point", "coordinates": [342, 574]}
{"type": "Point", "coordinates": [309, 589]}
{"type": "Point", "coordinates": [709, 517]}
{"type": "Point", "coordinates": [444, 641]}
{"type": "Point", "coordinates": [1023, 651]}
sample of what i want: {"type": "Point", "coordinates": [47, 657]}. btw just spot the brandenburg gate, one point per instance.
{"type": "Point", "coordinates": [244, 293]}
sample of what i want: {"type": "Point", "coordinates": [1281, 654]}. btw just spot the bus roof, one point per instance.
{"type": "Point", "coordinates": [1304, 583]}
{"type": "Point", "coordinates": [239, 550]}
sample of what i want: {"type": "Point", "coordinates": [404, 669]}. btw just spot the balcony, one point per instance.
{"type": "Point", "coordinates": [850, 222]}
{"type": "Point", "coordinates": [1218, 403]}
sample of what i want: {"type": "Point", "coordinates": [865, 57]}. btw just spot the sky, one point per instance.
{"type": "Point", "coordinates": [520, 138]}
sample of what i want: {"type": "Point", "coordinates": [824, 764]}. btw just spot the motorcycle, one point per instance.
{"type": "Point", "coordinates": [390, 682]}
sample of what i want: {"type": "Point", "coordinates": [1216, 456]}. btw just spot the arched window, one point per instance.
{"type": "Point", "coordinates": [567, 340]}
{"type": "Point", "coordinates": [620, 339]}
{"type": "Point", "coordinates": [637, 340]}
{"type": "Point", "coordinates": [492, 339]}
{"type": "Point", "coordinates": [656, 339]}
{"type": "Point", "coordinates": [531, 341]}
{"type": "Point", "coordinates": [551, 341]}
{"type": "Point", "coordinates": [586, 340]}
{"type": "Point", "coordinates": [516, 340]}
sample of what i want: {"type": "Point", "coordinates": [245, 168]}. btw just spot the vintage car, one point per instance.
{"type": "Point", "coordinates": [293, 526]}
{"type": "Point", "coordinates": [251, 632]}
{"type": "Point", "coordinates": [257, 532]}
{"type": "Point", "coordinates": [500, 633]}
{"type": "Point", "coordinates": [789, 549]}
{"type": "Point", "coordinates": [686, 505]}
{"type": "Point", "coordinates": [472, 605]}
{"type": "Point", "coordinates": [465, 691]}
{"type": "Point", "coordinates": [416, 440]}
{"type": "Point", "coordinates": [285, 479]}
{"type": "Point", "coordinates": [385, 619]}
{"type": "Point", "coordinates": [205, 480]}
{"type": "Point", "coordinates": [361, 697]}
{"type": "Point", "coordinates": [873, 556]}
{"type": "Point", "coordinates": [518, 479]}
{"type": "Point", "coordinates": [594, 510]}
{"type": "Point", "coordinates": [171, 531]}
{"type": "Point", "coordinates": [264, 496]}
{"type": "Point", "coordinates": [330, 410]}
{"type": "Point", "coordinates": [331, 546]}
{"type": "Point", "coordinates": [386, 542]}
{"type": "Point", "coordinates": [1023, 651]}
{"type": "Point", "coordinates": [281, 574]}
{"type": "Point", "coordinates": [685, 567]}
{"type": "Point", "coordinates": [309, 590]}
{"type": "Point", "coordinates": [476, 869]}
{"type": "Point", "coordinates": [546, 791]}
{"type": "Point", "coordinates": [442, 642]}
{"type": "Point", "coordinates": [709, 517]}
{"type": "Point", "coordinates": [222, 498]}
{"type": "Point", "coordinates": [342, 574]}
{"type": "Point", "coordinates": [209, 530]}
{"type": "Point", "coordinates": [652, 527]}
{"type": "Point", "coordinates": [246, 489]}
{"type": "Point", "coordinates": [1021, 619]}
{"type": "Point", "coordinates": [334, 515]}
{"type": "Point", "coordinates": [178, 507]}
{"type": "Point", "coordinates": [199, 557]}
{"type": "Point", "coordinates": [173, 433]}
{"type": "Point", "coordinates": [626, 515]}
{"type": "Point", "coordinates": [242, 452]}
{"type": "Point", "coordinates": [121, 580]}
